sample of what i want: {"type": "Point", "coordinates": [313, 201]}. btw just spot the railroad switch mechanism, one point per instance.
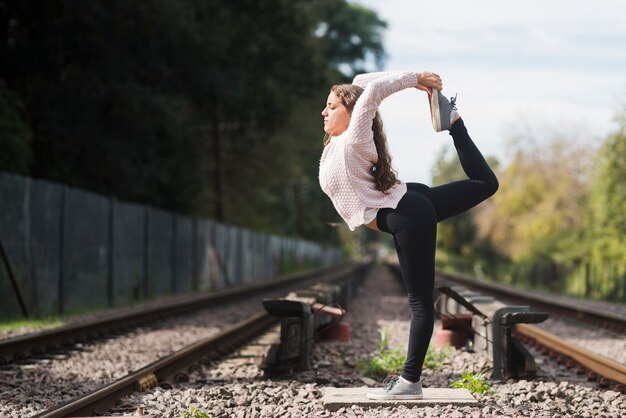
{"type": "Point", "coordinates": [296, 333]}
{"type": "Point", "coordinates": [288, 307]}
{"type": "Point", "coordinates": [510, 357]}
{"type": "Point", "coordinates": [491, 329]}
{"type": "Point", "coordinates": [303, 313]}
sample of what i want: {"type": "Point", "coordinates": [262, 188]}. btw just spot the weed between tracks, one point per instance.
{"type": "Point", "coordinates": [194, 413]}
{"type": "Point", "coordinates": [390, 361]}
{"type": "Point", "coordinates": [435, 358]}
{"type": "Point", "coordinates": [475, 383]}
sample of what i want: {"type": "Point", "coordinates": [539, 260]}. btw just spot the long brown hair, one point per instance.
{"type": "Point", "coordinates": [385, 177]}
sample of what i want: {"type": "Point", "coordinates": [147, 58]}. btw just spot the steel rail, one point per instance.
{"type": "Point", "coordinates": [23, 346]}
{"type": "Point", "coordinates": [163, 370]}
{"type": "Point", "coordinates": [600, 365]}
{"type": "Point", "coordinates": [541, 301]}
{"type": "Point", "coordinates": [594, 362]}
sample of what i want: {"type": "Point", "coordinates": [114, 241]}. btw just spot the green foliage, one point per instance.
{"type": "Point", "coordinates": [557, 222]}
{"type": "Point", "coordinates": [345, 31]}
{"type": "Point", "coordinates": [457, 235]}
{"type": "Point", "coordinates": [540, 202]}
{"type": "Point", "coordinates": [607, 217]}
{"type": "Point", "coordinates": [47, 322]}
{"type": "Point", "coordinates": [206, 108]}
{"type": "Point", "coordinates": [475, 383]}
{"type": "Point", "coordinates": [194, 413]}
{"type": "Point", "coordinates": [15, 133]}
{"type": "Point", "coordinates": [387, 361]}
{"type": "Point", "coordinates": [435, 358]}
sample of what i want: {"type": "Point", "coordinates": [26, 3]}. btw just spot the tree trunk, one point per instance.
{"type": "Point", "coordinates": [624, 287]}
{"type": "Point", "coordinates": [554, 277]}
{"type": "Point", "coordinates": [587, 280]}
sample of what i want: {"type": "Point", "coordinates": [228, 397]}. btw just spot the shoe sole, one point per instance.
{"type": "Point", "coordinates": [435, 114]}
{"type": "Point", "coordinates": [394, 397]}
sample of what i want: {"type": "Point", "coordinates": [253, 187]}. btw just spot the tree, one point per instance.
{"type": "Point", "coordinates": [16, 134]}
{"type": "Point", "coordinates": [607, 220]}
{"type": "Point", "coordinates": [538, 210]}
{"type": "Point", "coordinates": [458, 235]}
{"type": "Point", "coordinates": [455, 235]}
{"type": "Point", "coordinates": [179, 103]}
{"type": "Point", "coordinates": [350, 36]}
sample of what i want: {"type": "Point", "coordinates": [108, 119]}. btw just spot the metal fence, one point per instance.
{"type": "Point", "coordinates": [73, 250]}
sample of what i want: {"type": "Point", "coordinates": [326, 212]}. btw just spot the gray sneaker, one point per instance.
{"type": "Point", "coordinates": [396, 388]}
{"type": "Point", "coordinates": [441, 110]}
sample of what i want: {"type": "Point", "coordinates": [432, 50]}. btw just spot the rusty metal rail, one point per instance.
{"type": "Point", "coordinates": [595, 363]}
{"type": "Point", "coordinates": [163, 370]}
{"type": "Point", "coordinates": [173, 368]}
{"type": "Point", "coordinates": [20, 347]}
{"type": "Point", "coordinates": [604, 319]}
{"type": "Point", "coordinates": [606, 371]}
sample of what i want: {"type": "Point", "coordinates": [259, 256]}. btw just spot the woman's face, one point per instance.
{"type": "Point", "coordinates": [336, 116]}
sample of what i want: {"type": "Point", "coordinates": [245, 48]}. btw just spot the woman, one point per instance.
{"type": "Point", "coordinates": [356, 173]}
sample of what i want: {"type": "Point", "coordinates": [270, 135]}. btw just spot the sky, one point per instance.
{"type": "Point", "coordinates": [535, 68]}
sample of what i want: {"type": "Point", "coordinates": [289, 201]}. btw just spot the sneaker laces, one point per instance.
{"type": "Point", "coordinates": [390, 382]}
{"type": "Point", "coordinates": [452, 102]}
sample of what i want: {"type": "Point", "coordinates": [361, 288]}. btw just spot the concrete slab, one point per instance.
{"type": "Point", "coordinates": [337, 398]}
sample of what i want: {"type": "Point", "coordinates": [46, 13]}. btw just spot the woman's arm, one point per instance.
{"type": "Point", "coordinates": [377, 87]}
{"type": "Point", "coordinates": [363, 80]}
{"type": "Point", "coordinates": [425, 80]}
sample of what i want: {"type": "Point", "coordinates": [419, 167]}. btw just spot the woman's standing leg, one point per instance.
{"type": "Point", "coordinates": [413, 225]}
{"type": "Point", "coordinates": [414, 229]}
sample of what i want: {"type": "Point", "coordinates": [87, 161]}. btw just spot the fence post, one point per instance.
{"type": "Point", "coordinates": [61, 293]}
{"type": "Point", "coordinates": [111, 258]}
{"type": "Point", "coordinates": [146, 252]}
{"type": "Point", "coordinates": [174, 254]}
{"type": "Point", "coordinates": [29, 253]}
{"type": "Point", "coordinates": [16, 288]}
{"type": "Point", "coordinates": [194, 254]}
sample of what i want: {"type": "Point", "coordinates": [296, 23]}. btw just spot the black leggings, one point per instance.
{"type": "Point", "coordinates": [413, 225]}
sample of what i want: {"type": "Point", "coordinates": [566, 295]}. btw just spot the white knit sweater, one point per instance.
{"type": "Point", "coordinates": [346, 165]}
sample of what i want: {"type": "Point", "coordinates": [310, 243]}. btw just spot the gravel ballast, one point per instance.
{"type": "Point", "coordinates": [36, 385]}
{"type": "Point", "coordinates": [235, 388]}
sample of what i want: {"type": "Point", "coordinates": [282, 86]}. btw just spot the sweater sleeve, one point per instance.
{"type": "Point", "coordinates": [377, 86]}
{"type": "Point", "coordinates": [363, 80]}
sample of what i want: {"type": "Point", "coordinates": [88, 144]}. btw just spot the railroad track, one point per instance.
{"type": "Point", "coordinates": [594, 317]}
{"type": "Point", "coordinates": [606, 371]}
{"type": "Point", "coordinates": [174, 368]}
{"type": "Point", "coordinates": [167, 369]}
{"type": "Point", "coordinates": [24, 346]}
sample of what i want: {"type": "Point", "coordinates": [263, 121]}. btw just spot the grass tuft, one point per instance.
{"type": "Point", "coordinates": [31, 323]}
{"type": "Point", "coordinates": [390, 361]}
{"type": "Point", "coordinates": [475, 383]}
{"type": "Point", "coordinates": [194, 413]}
{"type": "Point", "coordinates": [435, 358]}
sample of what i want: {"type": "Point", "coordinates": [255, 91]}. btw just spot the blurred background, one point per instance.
{"type": "Point", "coordinates": [211, 110]}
